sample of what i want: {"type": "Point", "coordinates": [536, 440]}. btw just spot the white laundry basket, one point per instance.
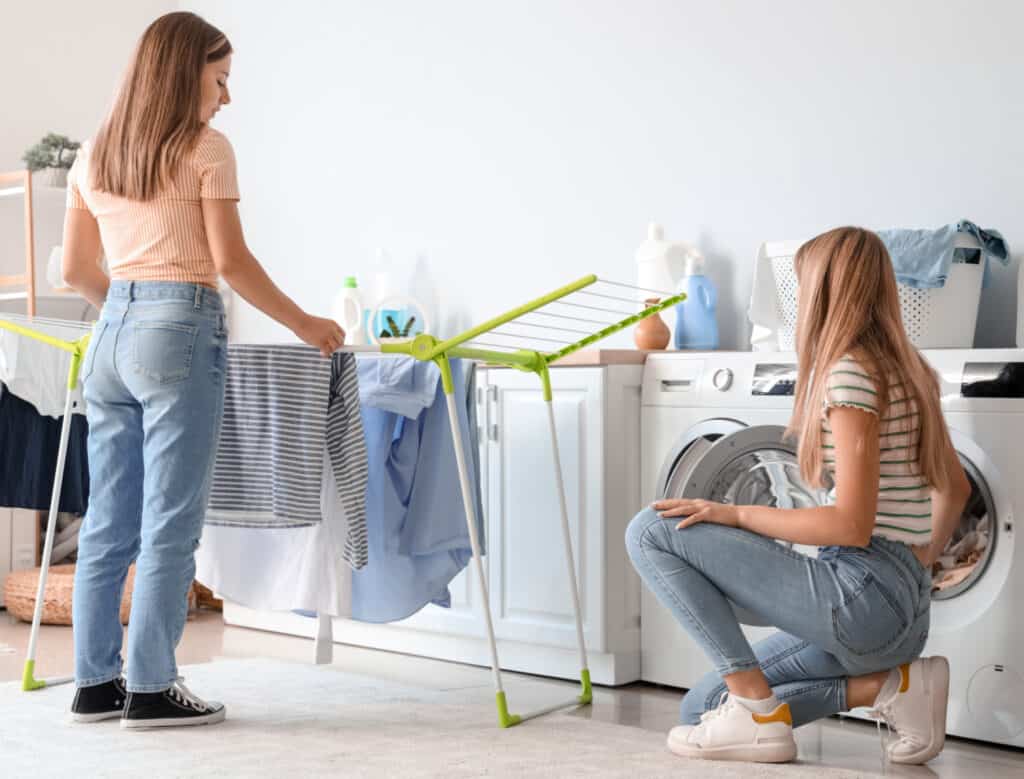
{"type": "Point", "coordinates": [940, 318]}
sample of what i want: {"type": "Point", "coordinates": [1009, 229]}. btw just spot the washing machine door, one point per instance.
{"type": "Point", "coordinates": [729, 462]}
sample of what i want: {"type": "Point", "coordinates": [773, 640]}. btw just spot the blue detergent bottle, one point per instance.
{"type": "Point", "coordinates": [696, 326]}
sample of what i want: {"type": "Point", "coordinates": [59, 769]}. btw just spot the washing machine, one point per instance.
{"type": "Point", "coordinates": [712, 427]}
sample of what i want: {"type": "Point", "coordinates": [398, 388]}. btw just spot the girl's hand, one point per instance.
{"type": "Point", "coordinates": [696, 511]}
{"type": "Point", "coordinates": [325, 334]}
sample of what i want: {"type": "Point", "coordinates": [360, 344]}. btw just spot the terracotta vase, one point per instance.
{"type": "Point", "coordinates": [652, 332]}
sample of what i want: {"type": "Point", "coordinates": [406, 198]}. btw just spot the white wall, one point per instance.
{"type": "Point", "coordinates": [525, 143]}
{"type": "Point", "coordinates": [60, 63]}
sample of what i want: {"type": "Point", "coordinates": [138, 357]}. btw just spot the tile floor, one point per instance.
{"type": "Point", "coordinates": [846, 744]}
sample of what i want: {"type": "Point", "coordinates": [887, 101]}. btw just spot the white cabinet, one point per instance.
{"type": "Point", "coordinates": [597, 416]}
{"type": "Point", "coordinates": [530, 592]}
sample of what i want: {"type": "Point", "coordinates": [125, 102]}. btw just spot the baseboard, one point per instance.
{"type": "Point", "coordinates": [605, 669]}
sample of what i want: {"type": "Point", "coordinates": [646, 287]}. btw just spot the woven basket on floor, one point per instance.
{"type": "Point", "coordinates": [20, 594]}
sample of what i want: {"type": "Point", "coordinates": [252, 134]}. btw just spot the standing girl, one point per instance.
{"type": "Point", "coordinates": [156, 191]}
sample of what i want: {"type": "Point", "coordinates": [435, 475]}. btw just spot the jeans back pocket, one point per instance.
{"type": "Point", "coordinates": [89, 360]}
{"type": "Point", "coordinates": [163, 350]}
{"type": "Point", "coordinates": [869, 621]}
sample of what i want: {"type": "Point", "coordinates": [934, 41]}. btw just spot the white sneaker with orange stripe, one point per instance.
{"type": "Point", "coordinates": [733, 732]}
{"type": "Point", "coordinates": [913, 702]}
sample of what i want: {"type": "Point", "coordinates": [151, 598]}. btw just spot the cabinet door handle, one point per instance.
{"type": "Point", "coordinates": [492, 433]}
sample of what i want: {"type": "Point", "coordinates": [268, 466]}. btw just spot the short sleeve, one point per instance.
{"type": "Point", "coordinates": [218, 176]}
{"type": "Point", "coordinates": [74, 195]}
{"type": "Point", "coordinates": [851, 386]}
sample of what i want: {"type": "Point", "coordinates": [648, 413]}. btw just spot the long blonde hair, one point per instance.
{"type": "Point", "coordinates": [848, 303]}
{"type": "Point", "coordinates": [155, 120]}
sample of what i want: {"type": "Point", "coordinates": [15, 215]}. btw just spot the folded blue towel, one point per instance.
{"type": "Point", "coordinates": [921, 258]}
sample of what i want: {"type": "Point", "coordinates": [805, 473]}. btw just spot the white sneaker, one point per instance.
{"type": "Point", "coordinates": [913, 703]}
{"type": "Point", "coordinates": [733, 732]}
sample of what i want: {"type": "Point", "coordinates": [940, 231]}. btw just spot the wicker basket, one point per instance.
{"type": "Point", "coordinates": [20, 595]}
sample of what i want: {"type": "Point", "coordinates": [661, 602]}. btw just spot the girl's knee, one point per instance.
{"type": "Point", "coordinates": [638, 528]}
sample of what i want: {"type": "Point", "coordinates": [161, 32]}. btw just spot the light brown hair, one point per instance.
{"type": "Point", "coordinates": [155, 120]}
{"type": "Point", "coordinates": [848, 304]}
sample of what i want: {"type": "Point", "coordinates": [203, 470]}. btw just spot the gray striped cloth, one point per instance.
{"type": "Point", "coordinates": [283, 405]}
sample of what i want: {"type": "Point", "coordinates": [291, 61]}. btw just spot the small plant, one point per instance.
{"type": "Point", "coordinates": [394, 331]}
{"type": "Point", "coordinates": [54, 151]}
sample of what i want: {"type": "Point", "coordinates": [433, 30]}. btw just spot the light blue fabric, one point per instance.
{"type": "Point", "coordinates": [922, 258]}
{"type": "Point", "coordinates": [154, 383]}
{"type": "Point", "coordinates": [418, 540]}
{"type": "Point", "coordinates": [401, 385]}
{"type": "Point", "coordinates": [848, 612]}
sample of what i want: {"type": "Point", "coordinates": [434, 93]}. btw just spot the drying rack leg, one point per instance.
{"type": "Point", "coordinates": [586, 693]}
{"type": "Point", "coordinates": [28, 680]}
{"type": "Point", "coordinates": [469, 504]}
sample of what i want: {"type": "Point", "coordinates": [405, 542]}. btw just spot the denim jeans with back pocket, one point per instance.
{"type": "Point", "coordinates": [848, 612]}
{"type": "Point", "coordinates": [153, 379]}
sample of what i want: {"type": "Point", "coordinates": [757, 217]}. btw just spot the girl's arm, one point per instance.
{"type": "Point", "coordinates": [947, 507]}
{"type": "Point", "coordinates": [80, 262]}
{"type": "Point", "coordinates": [849, 522]}
{"type": "Point", "coordinates": [246, 276]}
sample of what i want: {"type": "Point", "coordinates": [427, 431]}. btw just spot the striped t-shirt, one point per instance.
{"type": "Point", "coordinates": [163, 239]}
{"type": "Point", "coordinates": [904, 498]}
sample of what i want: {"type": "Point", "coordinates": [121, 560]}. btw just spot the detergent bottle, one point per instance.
{"type": "Point", "coordinates": [659, 265]}
{"type": "Point", "coordinates": [347, 311]}
{"type": "Point", "coordinates": [696, 326]}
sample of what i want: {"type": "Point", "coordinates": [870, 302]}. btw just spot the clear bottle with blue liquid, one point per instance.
{"type": "Point", "coordinates": [696, 325]}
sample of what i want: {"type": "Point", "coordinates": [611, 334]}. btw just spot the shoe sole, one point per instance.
{"type": "Point", "coordinates": [774, 752]}
{"type": "Point", "coordinates": [938, 670]}
{"type": "Point", "coordinates": [173, 722]}
{"type": "Point", "coordinates": [100, 717]}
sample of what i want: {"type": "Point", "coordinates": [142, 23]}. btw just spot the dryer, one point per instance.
{"type": "Point", "coordinates": [712, 425]}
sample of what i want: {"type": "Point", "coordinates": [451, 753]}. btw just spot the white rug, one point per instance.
{"type": "Point", "coordinates": [296, 720]}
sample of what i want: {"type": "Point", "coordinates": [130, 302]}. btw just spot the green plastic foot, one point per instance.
{"type": "Point", "coordinates": [588, 692]}
{"type": "Point", "coordinates": [504, 718]}
{"type": "Point", "coordinates": [28, 680]}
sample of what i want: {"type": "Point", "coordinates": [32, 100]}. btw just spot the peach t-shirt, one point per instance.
{"type": "Point", "coordinates": [163, 239]}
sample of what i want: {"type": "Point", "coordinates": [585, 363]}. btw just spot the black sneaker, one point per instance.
{"type": "Point", "coordinates": [99, 702]}
{"type": "Point", "coordinates": [170, 708]}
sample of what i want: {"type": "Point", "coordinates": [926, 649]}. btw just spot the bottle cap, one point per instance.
{"type": "Point", "coordinates": [350, 282]}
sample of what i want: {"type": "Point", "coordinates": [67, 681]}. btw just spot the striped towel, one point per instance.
{"type": "Point", "coordinates": [282, 406]}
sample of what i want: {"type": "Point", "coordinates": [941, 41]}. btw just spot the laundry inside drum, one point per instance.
{"type": "Point", "coordinates": [969, 550]}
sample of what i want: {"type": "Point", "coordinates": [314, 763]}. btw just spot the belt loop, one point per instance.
{"type": "Point", "coordinates": [199, 297]}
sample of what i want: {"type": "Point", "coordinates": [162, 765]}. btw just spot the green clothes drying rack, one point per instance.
{"type": "Point", "coordinates": [499, 350]}
{"type": "Point", "coordinates": [509, 348]}
{"type": "Point", "coordinates": [77, 350]}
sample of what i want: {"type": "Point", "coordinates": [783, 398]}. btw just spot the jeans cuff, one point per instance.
{"type": "Point", "coordinates": [97, 681]}
{"type": "Point", "coordinates": [159, 687]}
{"type": "Point", "coordinates": [733, 668]}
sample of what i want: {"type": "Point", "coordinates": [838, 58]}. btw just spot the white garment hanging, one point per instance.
{"type": "Point", "coordinates": [283, 569]}
{"type": "Point", "coordinates": [36, 372]}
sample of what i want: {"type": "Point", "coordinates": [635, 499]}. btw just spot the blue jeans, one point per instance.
{"type": "Point", "coordinates": [851, 611]}
{"type": "Point", "coordinates": [154, 390]}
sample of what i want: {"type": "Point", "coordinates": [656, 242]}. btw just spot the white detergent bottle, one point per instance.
{"type": "Point", "coordinates": [659, 266]}
{"type": "Point", "coordinates": [347, 311]}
